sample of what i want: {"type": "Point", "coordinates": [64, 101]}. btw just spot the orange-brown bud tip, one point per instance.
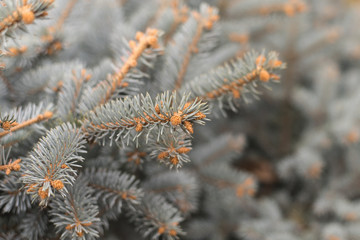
{"type": "Point", "coordinates": [157, 109]}
{"type": "Point", "coordinates": [260, 60]}
{"type": "Point", "coordinates": [68, 227]}
{"type": "Point", "coordinates": [139, 35]}
{"type": "Point", "coordinates": [275, 63]}
{"type": "Point", "coordinates": [264, 75]}
{"type": "Point", "coordinates": [132, 44]}
{"type": "Point", "coordinates": [152, 41]}
{"type": "Point", "coordinates": [64, 166]}
{"type": "Point", "coordinates": [139, 127]}
{"type": "Point", "coordinates": [163, 155]}
{"type": "Point", "coordinates": [189, 127]}
{"type": "Point", "coordinates": [152, 31]}
{"type": "Point", "coordinates": [161, 230]}
{"type": "Point", "coordinates": [28, 16]}
{"type": "Point", "coordinates": [289, 10]}
{"type": "Point", "coordinates": [43, 194]}
{"type": "Point", "coordinates": [176, 119]}
{"type": "Point", "coordinates": [57, 184]}
{"type": "Point", "coordinates": [200, 116]}
{"type": "Point", "coordinates": [174, 160]}
{"type": "Point", "coordinates": [6, 125]}
{"type": "Point", "coordinates": [48, 114]}
{"type": "Point", "coordinates": [183, 150]}
{"type": "Point", "coordinates": [16, 167]}
{"type": "Point", "coordinates": [172, 232]}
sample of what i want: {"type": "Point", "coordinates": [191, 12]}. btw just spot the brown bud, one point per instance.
{"type": "Point", "coordinates": [189, 127]}
{"type": "Point", "coordinates": [57, 184]}
{"type": "Point", "coordinates": [183, 150]}
{"type": "Point", "coordinates": [27, 15]}
{"type": "Point", "coordinates": [43, 194]}
{"type": "Point", "coordinates": [176, 119]}
{"type": "Point", "coordinates": [264, 75]}
{"type": "Point", "coordinates": [163, 155]}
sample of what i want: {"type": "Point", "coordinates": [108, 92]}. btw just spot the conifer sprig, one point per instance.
{"type": "Point", "coordinates": [75, 216]}
{"type": "Point", "coordinates": [136, 54]}
{"type": "Point", "coordinates": [190, 40]}
{"type": "Point", "coordinates": [15, 200]}
{"type": "Point", "coordinates": [235, 79]}
{"type": "Point", "coordinates": [19, 122]}
{"type": "Point", "coordinates": [171, 148]}
{"type": "Point", "coordinates": [222, 176]}
{"type": "Point", "coordinates": [155, 218]}
{"type": "Point", "coordinates": [133, 116]}
{"type": "Point", "coordinates": [17, 14]}
{"type": "Point", "coordinates": [181, 188]}
{"type": "Point", "coordinates": [50, 166]}
{"type": "Point", "coordinates": [113, 188]}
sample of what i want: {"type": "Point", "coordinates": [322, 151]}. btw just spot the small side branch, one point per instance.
{"type": "Point", "coordinates": [42, 117]}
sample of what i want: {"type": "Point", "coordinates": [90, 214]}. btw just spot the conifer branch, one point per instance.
{"type": "Point", "coordinates": [13, 197]}
{"type": "Point", "coordinates": [180, 13]}
{"type": "Point", "coordinates": [171, 148]}
{"type": "Point", "coordinates": [15, 127]}
{"type": "Point", "coordinates": [256, 8]}
{"type": "Point", "coordinates": [135, 157]}
{"type": "Point", "coordinates": [193, 39]}
{"type": "Point", "coordinates": [71, 91]}
{"type": "Point", "coordinates": [147, 40]}
{"type": "Point", "coordinates": [113, 188]}
{"type": "Point", "coordinates": [50, 166]}
{"type": "Point", "coordinates": [181, 188]}
{"type": "Point", "coordinates": [51, 39]}
{"type": "Point", "coordinates": [156, 218]}
{"type": "Point", "coordinates": [75, 217]}
{"type": "Point", "coordinates": [203, 22]}
{"type": "Point", "coordinates": [11, 166]}
{"type": "Point", "coordinates": [17, 14]}
{"type": "Point", "coordinates": [118, 119]}
{"type": "Point", "coordinates": [18, 123]}
{"type": "Point", "coordinates": [223, 177]}
{"type": "Point", "coordinates": [35, 224]}
{"type": "Point", "coordinates": [144, 47]}
{"type": "Point", "coordinates": [235, 79]}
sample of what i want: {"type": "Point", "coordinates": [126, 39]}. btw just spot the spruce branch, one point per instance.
{"type": "Point", "coordinates": [155, 218]}
{"type": "Point", "coordinates": [252, 8]}
{"type": "Point", "coordinates": [203, 23]}
{"type": "Point", "coordinates": [136, 115]}
{"type": "Point", "coordinates": [187, 41]}
{"type": "Point", "coordinates": [169, 16]}
{"type": "Point", "coordinates": [171, 148]}
{"type": "Point", "coordinates": [52, 40]}
{"type": "Point", "coordinates": [139, 51]}
{"type": "Point", "coordinates": [133, 158]}
{"type": "Point", "coordinates": [235, 79]}
{"type": "Point", "coordinates": [11, 127]}
{"type": "Point", "coordinates": [71, 91]}
{"type": "Point", "coordinates": [11, 166]}
{"type": "Point", "coordinates": [19, 122]}
{"type": "Point", "coordinates": [50, 166]}
{"type": "Point", "coordinates": [13, 197]}
{"type": "Point", "coordinates": [34, 224]}
{"type": "Point", "coordinates": [180, 14]}
{"type": "Point", "coordinates": [113, 188]}
{"type": "Point", "coordinates": [75, 216]}
{"type": "Point", "coordinates": [17, 14]}
{"type": "Point", "coordinates": [181, 188]}
{"type": "Point", "coordinates": [222, 176]}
